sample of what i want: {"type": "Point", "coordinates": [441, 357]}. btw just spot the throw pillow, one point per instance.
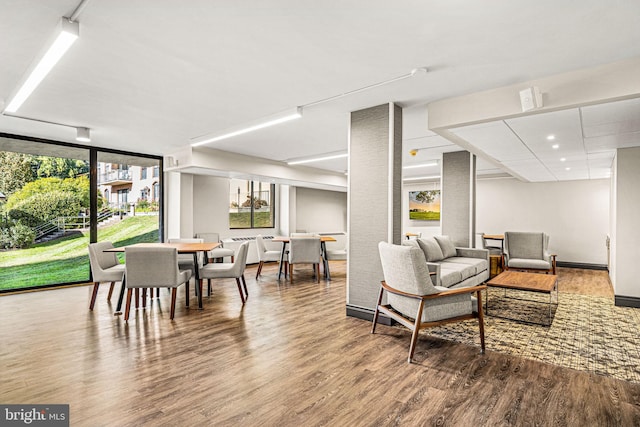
{"type": "Point", "coordinates": [447, 246]}
{"type": "Point", "coordinates": [431, 249]}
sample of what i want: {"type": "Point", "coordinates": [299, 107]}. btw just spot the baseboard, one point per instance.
{"type": "Point", "coordinates": [367, 314]}
{"type": "Point", "coordinates": [582, 265]}
{"type": "Point", "coordinates": [622, 301]}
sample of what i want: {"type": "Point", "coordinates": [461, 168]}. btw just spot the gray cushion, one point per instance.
{"type": "Point", "coordinates": [449, 277]}
{"type": "Point", "coordinates": [465, 270]}
{"type": "Point", "coordinates": [479, 264]}
{"type": "Point", "coordinates": [446, 245]}
{"type": "Point", "coordinates": [526, 245]}
{"type": "Point", "coordinates": [529, 263]}
{"type": "Point", "coordinates": [431, 249]}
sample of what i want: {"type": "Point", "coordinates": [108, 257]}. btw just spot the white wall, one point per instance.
{"type": "Point", "coordinates": [575, 214]}
{"type": "Point", "coordinates": [320, 210]}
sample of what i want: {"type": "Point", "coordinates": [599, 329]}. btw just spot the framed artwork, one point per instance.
{"type": "Point", "coordinates": [424, 205]}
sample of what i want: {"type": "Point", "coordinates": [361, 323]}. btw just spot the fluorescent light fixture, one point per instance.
{"type": "Point", "coordinates": [421, 165]}
{"type": "Point", "coordinates": [420, 178]}
{"type": "Point", "coordinates": [318, 159]}
{"type": "Point", "coordinates": [270, 121]}
{"type": "Point", "coordinates": [83, 135]}
{"type": "Point", "coordinates": [66, 33]}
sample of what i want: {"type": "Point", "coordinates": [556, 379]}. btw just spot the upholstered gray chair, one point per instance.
{"type": "Point", "coordinates": [337, 251]}
{"type": "Point", "coordinates": [219, 252]}
{"type": "Point", "coordinates": [185, 261]}
{"type": "Point", "coordinates": [153, 267]}
{"type": "Point", "coordinates": [265, 255]}
{"type": "Point", "coordinates": [415, 302]}
{"type": "Point", "coordinates": [528, 251]}
{"type": "Point", "coordinates": [228, 270]}
{"type": "Point", "coordinates": [305, 250]}
{"type": "Point", "coordinates": [104, 268]}
{"type": "Point", "coordinates": [493, 250]}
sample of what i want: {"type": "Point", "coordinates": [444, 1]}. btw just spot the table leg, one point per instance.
{"type": "Point", "coordinates": [284, 245]}
{"type": "Point", "coordinates": [121, 296]}
{"type": "Point", "coordinates": [197, 278]}
{"type": "Point", "coordinates": [325, 261]}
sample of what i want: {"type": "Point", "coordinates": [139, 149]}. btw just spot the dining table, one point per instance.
{"type": "Point", "coordinates": [183, 248]}
{"type": "Point", "coordinates": [323, 250]}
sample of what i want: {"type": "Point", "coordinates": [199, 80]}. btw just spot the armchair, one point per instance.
{"type": "Point", "coordinates": [528, 251]}
{"type": "Point", "coordinates": [415, 302]}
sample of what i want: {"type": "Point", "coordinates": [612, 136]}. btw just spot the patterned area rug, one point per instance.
{"type": "Point", "coordinates": [587, 333]}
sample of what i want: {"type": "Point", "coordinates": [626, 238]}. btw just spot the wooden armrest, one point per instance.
{"type": "Point", "coordinates": [442, 294]}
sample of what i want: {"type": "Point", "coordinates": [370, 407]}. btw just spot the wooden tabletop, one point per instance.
{"type": "Point", "coordinates": [286, 239]}
{"type": "Point", "coordinates": [535, 282]}
{"type": "Point", "coordinates": [493, 236]}
{"type": "Point", "coordinates": [183, 248]}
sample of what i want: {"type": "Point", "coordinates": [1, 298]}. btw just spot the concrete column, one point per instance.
{"type": "Point", "coordinates": [374, 200]}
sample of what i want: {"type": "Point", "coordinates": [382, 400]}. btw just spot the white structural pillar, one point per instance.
{"type": "Point", "coordinates": [374, 200]}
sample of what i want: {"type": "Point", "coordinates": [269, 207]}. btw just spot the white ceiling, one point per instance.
{"type": "Point", "coordinates": [148, 76]}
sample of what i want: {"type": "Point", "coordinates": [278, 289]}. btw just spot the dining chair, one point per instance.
{"type": "Point", "coordinates": [154, 267]}
{"type": "Point", "coordinates": [219, 252]}
{"type": "Point", "coordinates": [228, 270]}
{"type": "Point", "coordinates": [265, 255]}
{"type": "Point", "coordinates": [105, 267]}
{"type": "Point", "coordinates": [185, 261]}
{"type": "Point", "coordinates": [305, 250]}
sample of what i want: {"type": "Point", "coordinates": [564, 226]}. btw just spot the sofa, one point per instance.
{"type": "Point", "coordinates": [451, 266]}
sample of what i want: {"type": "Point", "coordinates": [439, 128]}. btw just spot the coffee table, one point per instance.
{"type": "Point", "coordinates": [529, 282]}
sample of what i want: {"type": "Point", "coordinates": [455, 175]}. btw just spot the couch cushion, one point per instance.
{"type": "Point", "coordinates": [465, 270]}
{"type": "Point", "coordinates": [431, 249]}
{"type": "Point", "coordinates": [449, 276]}
{"type": "Point", "coordinates": [479, 264]}
{"type": "Point", "coordinates": [446, 245]}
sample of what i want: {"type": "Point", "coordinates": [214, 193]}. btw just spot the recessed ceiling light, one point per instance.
{"type": "Point", "coordinates": [555, 146]}
{"type": "Point", "coordinates": [567, 169]}
{"type": "Point", "coordinates": [562, 159]}
{"type": "Point", "coordinates": [551, 137]}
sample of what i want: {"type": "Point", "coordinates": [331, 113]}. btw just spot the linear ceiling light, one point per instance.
{"type": "Point", "coordinates": [420, 178]}
{"type": "Point", "coordinates": [66, 33]}
{"type": "Point", "coordinates": [318, 159]}
{"type": "Point", "coordinates": [421, 165]}
{"type": "Point", "coordinates": [270, 121]}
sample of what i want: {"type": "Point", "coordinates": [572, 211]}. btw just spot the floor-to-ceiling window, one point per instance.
{"type": "Point", "coordinates": [49, 213]}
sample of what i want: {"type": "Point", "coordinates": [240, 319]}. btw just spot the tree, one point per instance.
{"type": "Point", "coordinates": [58, 167]}
{"type": "Point", "coordinates": [16, 170]}
{"type": "Point", "coordinates": [427, 196]}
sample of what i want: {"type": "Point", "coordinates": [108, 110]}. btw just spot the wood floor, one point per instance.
{"type": "Point", "coordinates": [289, 357]}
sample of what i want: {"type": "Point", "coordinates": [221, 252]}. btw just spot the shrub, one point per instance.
{"type": "Point", "coordinates": [41, 207]}
{"type": "Point", "coordinates": [21, 236]}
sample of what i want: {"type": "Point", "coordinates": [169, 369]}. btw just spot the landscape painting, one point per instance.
{"type": "Point", "coordinates": [424, 205]}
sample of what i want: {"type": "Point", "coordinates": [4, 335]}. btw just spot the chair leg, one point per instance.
{"type": "Point", "coordinates": [240, 290]}
{"type": "Point", "coordinates": [244, 284]}
{"type": "Point", "coordinates": [173, 302]}
{"type": "Point", "coordinates": [208, 287]}
{"type": "Point", "coordinates": [416, 332]}
{"type": "Point", "coordinates": [316, 272]}
{"type": "Point", "coordinates": [144, 297]}
{"type": "Point", "coordinates": [137, 295]}
{"type": "Point", "coordinates": [291, 272]}
{"type": "Point", "coordinates": [232, 258]}
{"type": "Point", "coordinates": [127, 307]}
{"type": "Point", "coordinates": [375, 315]}
{"type": "Point", "coordinates": [259, 269]}
{"type": "Point", "coordinates": [111, 290]}
{"type": "Point", "coordinates": [480, 320]}
{"type": "Point", "coordinates": [186, 294]}
{"type": "Point", "coordinates": [94, 294]}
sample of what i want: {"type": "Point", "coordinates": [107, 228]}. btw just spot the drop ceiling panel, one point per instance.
{"type": "Point", "coordinates": [612, 118]}
{"type": "Point", "coordinates": [564, 126]}
{"type": "Point", "coordinates": [612, 142]}
{"type": "Point", "coordinates": [532, 170]}
{"type": "Point", "coordinates": [496, 139]}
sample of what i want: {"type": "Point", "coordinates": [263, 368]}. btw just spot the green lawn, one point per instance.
{"type": "Point", "coordinates": [66, 260]}
{"type": "Point", "coordinates": [425, 216]}
{"type": "Point", "coordinates": [243, 220]}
